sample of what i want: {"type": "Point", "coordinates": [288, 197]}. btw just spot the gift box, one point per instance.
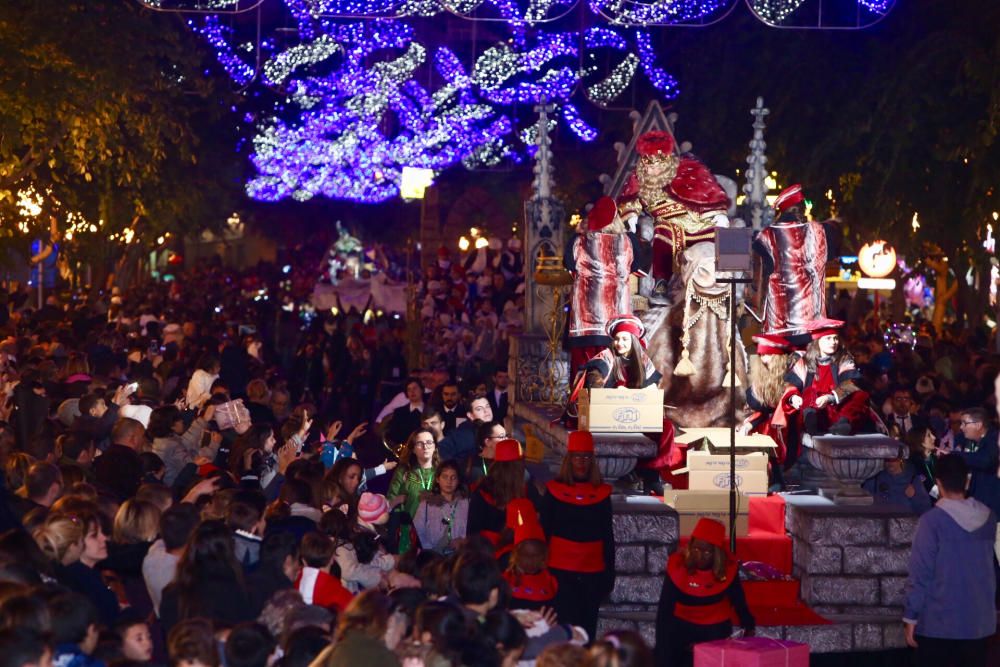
{"type": "Point", "coordinates": [231, 414]}
{"type": "Point", "coordinates": [751, 652]}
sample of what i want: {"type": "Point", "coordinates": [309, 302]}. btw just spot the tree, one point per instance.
{"type": "Point", "coordinates": [108, 112]}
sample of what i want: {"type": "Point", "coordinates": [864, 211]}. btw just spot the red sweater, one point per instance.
{"type": "Point", "coordinates": [322, 589]}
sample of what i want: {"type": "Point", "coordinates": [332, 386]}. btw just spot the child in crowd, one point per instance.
{"type": "Point", "coordinates": [532, 586]}
{"type": "Point", "coordinates": [247, 524]}
{"type": "Point", "coordinates": [317, 582]}
{"type": "Point", "coordinates": [899, 484]}
{"type": "Point", "coordinates": [136, 640]}
{"type": "Point", "coordinates": [74, 631]}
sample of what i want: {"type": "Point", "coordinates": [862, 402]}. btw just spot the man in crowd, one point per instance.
{"type": "Point", "coordinates": [461, 442]}
{"type": "Point", "coordinates": [451, 407]}
{"type": "Point", "coordinates": [119, 468]}
{"type": "Point", "coordinates": [499, 400]}
{"type": "Point", "coordinates": [949, 611]}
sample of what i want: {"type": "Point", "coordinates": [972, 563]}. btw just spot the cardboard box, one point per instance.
{"type": "Point", "coordinates": [750, 482]}
{"type": "Point", "coordinates": [692, 505]}
{"type": "Point", "coordinates": [717, 441]}
{"type": "Point", "coordinates": [751, 652]}
{"type": "Point", "coordinates": [621, 410]}
{"type": "Point", "coordinates": [703, 460]}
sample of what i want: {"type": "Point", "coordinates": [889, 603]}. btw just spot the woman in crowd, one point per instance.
{"type": "Point", "coordinates": [252, 458]}
{"type": "Point", "coordinates": [576, 517]}
{"type": "Point", "coordinates": [60, 537]}
{"type": "Point", "coordinates": [488, 505]}
{"type": "Point", "coordinates": [415, 474]}
{"type": "Point", "coordinates": [135, 528]}
{"type": "Point", "coordinates": [342, 483]}
{"type": "Point", "coordinates": [174, 444]}
{"type": "Point", "coordinates": [83, 575]}
{"type": "Point", "coordinates": [209, 580]}
{"type": "Point", "coordinates": [475, 467]}
{"type": "Point", "coordinates": [442, 516]}
{"type": "Point", "coordinates": [700, 594]}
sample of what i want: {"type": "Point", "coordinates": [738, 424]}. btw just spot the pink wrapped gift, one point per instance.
{"type": "Point", "coordinates": [232, 414]}
{"type": "Point", "coordinates": [751, 652]}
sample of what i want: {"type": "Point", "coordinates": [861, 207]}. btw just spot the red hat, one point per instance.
{"type": "Point", "coordinates": [507, 450]}
{"type": "Point", "coordinates": [772, 344]}
{"type": "Point", "coordinates": [790, 196]}
{"type": "Point", "coordinates": [602, 214]}
{"type": "Point", "coordinates": [653, 143]}
{"type": "Point", "coordinates": [581, 442]}
{"type": "Point", "coordinates": [522, 518]}
{"type": "Point", "coordinates": [711, 531]}
{"type": "Point", "coordinates": [629, 323]}
{"type": "Point", "coordinates": [443, 252]}
{"type": "Point", "coordinates": [823, 327]}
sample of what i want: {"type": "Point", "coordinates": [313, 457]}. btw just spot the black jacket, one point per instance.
{"type": "Point", "coordinates": [119, 471]}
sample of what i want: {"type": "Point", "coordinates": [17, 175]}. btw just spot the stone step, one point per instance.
{"type": "Point", "coordinates": [847, 633]}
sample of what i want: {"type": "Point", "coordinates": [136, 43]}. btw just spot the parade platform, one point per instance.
{"type": "Point", "coordinates": [847, 564]}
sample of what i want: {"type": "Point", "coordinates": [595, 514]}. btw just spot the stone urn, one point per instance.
{"type": "Point", "coordinates": [850, 460]}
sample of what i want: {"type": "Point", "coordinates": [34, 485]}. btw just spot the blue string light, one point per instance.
{"type": "Point", "coordinates": [579, 126]}
{"type": "Point", "coordinates": [349, 112]}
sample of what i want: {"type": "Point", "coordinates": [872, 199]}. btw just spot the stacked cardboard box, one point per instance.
{"type": "Point", "coordinates": [692, 505]}
{"type": "Point", "coordinates": [621, 410]}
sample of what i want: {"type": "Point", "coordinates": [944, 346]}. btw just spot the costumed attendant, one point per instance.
{"type": "Point", "coordinates": [767, 385]}
{"type": "Point", "coordinates": [700, 593]}
{"type": "Point", "coordinates": [576, 517]}
{"type": "Point", "coordinates": [601, 257]}
{"type": "Point", "coordinates": [532, 586]}
{"type": "Point", "coordinates": [793, 253]}
{"type": "Point", "coordinates": [503, 484]}
{"type": "Point", "coordinates": [821, 385]}
{"type": "Point", "coordinates": [625, 364]}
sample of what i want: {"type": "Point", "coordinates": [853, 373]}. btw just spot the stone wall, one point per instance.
{"type": "Point", "coordinates": [645, 536]}
{"type": "Point", "coordinates": [852, 563]}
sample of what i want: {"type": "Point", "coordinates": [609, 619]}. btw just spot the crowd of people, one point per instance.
{"type": "Point", "coordinates": [178, 488]}
{"type": "Point", "coordinates": [207, 472]}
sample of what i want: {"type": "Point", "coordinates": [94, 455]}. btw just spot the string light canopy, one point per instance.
{"type": "Point", "coordinates": [356, 97]}
{"type": "Point", "coordinates": [821, 14]}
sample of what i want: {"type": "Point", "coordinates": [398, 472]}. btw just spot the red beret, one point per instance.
{"type": "Point", "coordinates": [629, 323]}
{"type": "Point", "coordinates": [772, 344]}
{"type": "Point", "coordinates": [823, 327]}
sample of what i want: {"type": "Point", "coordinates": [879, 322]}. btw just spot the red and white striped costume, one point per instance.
{"type": "Point", "coordinates": [794, 270]}
{"type": "Point", "coordinates": [602, 264]}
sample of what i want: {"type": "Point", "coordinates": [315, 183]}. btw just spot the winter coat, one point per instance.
{"type": "Point", "coordinates": [951, 585]}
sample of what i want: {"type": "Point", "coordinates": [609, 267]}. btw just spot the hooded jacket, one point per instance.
{"type": "Point", "coordinates": [951, 586]}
